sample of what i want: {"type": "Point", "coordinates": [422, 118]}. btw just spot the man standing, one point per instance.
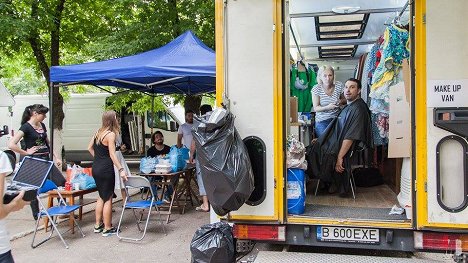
{"type": "Point", "coordinates": [350, 131]}
{"type": "Point", "coordinates": [185, 131]}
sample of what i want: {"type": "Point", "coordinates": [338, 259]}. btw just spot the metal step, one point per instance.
{"type": "Point", "coordinates": [297, 257]}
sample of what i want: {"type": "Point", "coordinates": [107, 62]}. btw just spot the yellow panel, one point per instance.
{"type": "Point", "coordinates": [278, 106]}
{"type": "Point", "coordinates": [420, 114]}
{"type": "Point", "coordinates": [219, 33]}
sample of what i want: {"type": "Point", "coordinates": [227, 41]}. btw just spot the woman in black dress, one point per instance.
{"type": "Point", "coordinates": [102, 148]}
{"type": "Point", "coordinates": [36, 143]}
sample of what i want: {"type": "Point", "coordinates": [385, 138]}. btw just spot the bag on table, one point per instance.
{"type": "Point", "coordinates": [176, 157]}
{"type": "Point", "coordinates": [72, 171]}
{"type": "Point", "coordinates": [148, 164]}
{"type": "Point", "coordinates": [85, 181]}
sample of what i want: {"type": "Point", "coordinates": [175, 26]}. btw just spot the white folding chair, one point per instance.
{"type": "Point", "coordinates": [144, 203]}
{"type": "Point", "coordinates": [53, 213]}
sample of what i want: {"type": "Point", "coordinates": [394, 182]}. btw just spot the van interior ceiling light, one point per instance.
{"type": "Point", "coordinates": [345, 9]}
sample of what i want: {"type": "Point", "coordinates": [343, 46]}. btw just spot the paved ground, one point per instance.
{"type": "Point", "coordinates": [155, 247]}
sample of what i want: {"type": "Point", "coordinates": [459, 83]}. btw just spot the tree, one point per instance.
{"type": "Point", "coordinates": [55, 32]}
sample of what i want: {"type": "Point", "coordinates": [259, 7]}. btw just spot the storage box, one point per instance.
{"type": "Point", "coordinates": [399, 132]}
{"type": "Point", "coordinates": [293, 109]}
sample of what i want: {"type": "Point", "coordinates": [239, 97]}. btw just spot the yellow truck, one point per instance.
{"type": "Point", "coordinates": [257, 44]}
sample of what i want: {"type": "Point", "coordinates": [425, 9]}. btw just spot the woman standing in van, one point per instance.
{"type": "Point", "coordinates": [327, 97]}
{"type": "Point", "coordinates": [35, 143]}
{"type": "Point", "coordinates": [102, 148]}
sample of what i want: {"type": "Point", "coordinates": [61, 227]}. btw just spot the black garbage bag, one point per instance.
{"type": "Point", "coordinates": [223, 161]}
{"type": "Point", "coordinates": [213, 243]}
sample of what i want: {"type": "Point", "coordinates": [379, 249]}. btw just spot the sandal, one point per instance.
{"type": "Point", "coordinates": [200, 209]}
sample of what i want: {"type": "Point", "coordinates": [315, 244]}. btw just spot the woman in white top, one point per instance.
{"type": "Point", "coordinates": [327, 97]}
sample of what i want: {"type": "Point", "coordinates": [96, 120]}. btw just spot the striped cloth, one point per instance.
{"type": "Point", "coordinates": [326, 100]}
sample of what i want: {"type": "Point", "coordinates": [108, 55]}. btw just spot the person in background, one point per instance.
{"type": "Point", "coordinates": [119, 185]}
{"type": "Point", "coordinates": [205, 111]}
{"type": "Point", "coordinates": [185, 131]}
{"type": "Point", "coordinates": [16, 204]}
{"type": "Point", "coordinates": [35, 143]}
{"type": "Point", "coordinates": [327, 97]}
{"type": "Point", "coordinates": [158, 148]}
{"type": "Point", "coordinates": [102, 148]}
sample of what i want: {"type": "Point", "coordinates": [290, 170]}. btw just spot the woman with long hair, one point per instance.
{"type": "Point", "coordinates": [102, 148]}
{"type": "Point", "coordinates": [35, 143]}
{"type": "Point", "coordinates": [327, 97]}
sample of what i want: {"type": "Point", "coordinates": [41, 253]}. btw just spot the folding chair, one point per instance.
{"type": "Point", "coordinates": [144, 203]}
{"type": "Point", "coordinates": [53, 213]}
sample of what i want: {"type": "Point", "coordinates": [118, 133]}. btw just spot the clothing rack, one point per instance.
{"type": "Point", "coordinates": [397, 18]}
{"type": "Point", "coordinates": [295, 41]}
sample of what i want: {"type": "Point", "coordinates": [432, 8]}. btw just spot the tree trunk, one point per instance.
{"type": "Point", "coordinates": [38, 51]}
{"type": "Point", "coordinates": [174, 14]}
{"type": "Point", "coordinates": [192, 103]}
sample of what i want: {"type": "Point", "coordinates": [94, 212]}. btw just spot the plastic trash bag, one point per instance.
{"type": "Point", "coordinates": [295, 156]}
{"type": "Point", "coordinates": [223, 160]}
{"type": "Point", "coordinates": [178, 158]}
{"type": "Point", "coordinates": [148, 164]}
{"type": "Point", "coordinates": [85, 181]}
{"type": "Point", "coordinates": [213, 243]}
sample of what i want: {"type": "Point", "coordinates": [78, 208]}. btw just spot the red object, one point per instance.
{"type": "Point", "coordinates": [441, 241]}
{"type": "Point", "coordinates": [260, 232]}
{"type": "Point", "coordinates": [67, 186]}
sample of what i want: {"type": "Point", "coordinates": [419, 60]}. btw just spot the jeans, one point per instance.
{"type": "Point", "coordinates": [321, 126]}
{"type": "Point", "coordinates": [6, 257]}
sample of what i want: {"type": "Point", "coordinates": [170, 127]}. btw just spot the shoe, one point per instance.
{"type": "Point", "coordinates": [332, 189]}
{"type": "Point", "coordinates": [109, 232]}
{"type": "Point", "coordinates": [99, 228]}
{"type": "Point", "coordinates": [344, 194]}
{"type": "Point", "coordinates": [166, 200]}
{"type": "Point", "coordinates": [200, 209]}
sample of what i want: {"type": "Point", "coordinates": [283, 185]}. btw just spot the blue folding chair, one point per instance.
{"type": "Point", "coordinates": [53, 213]}
{"type": "Point", "coordinates": [144, 203]}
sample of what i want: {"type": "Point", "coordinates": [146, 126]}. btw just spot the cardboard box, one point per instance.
{"type": "Point", "coordinates": [399, 132]}
{"type": "Point", "coordinates": [293, 109]}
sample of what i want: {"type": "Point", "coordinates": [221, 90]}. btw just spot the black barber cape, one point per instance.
{"type": "Point", "coordinates": [353, 123]}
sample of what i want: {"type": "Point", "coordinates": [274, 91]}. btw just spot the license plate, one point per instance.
{"type": "Point", "coordinates": [348, 234]}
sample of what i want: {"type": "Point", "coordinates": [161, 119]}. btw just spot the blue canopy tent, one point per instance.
{"type": "Point", "coordinates": [183, 66]}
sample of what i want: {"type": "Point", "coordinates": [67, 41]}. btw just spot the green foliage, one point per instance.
{"type": "Point", "coordinates": [93, 30]}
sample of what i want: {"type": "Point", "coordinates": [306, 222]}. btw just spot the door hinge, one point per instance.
{"type": "Point", "coordinates": [425, 187]}
{"type": "Point", "coordinates": [274, 183]}
{"type": "Point", "coordinates": [414, 20]}
{"type": "Point", "coordinates": [282, 28]}
{"type": "Point", "coordinates": [424, 18]}
{"type": "Point", "coordinates": [274, 27]}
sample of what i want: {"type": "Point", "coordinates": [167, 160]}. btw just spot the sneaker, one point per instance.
{"type": "Point", "coordinates": [99, 229]}
{"type": "Point", "coordinates": [166, 200]}
{"type": "Point", "coordinates": [109, 232]}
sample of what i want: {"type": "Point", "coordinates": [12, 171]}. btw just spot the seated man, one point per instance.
{"type": "Point", "coordinates": [160, 149]}
{"type": "Point", "coordinates": [329, 156]}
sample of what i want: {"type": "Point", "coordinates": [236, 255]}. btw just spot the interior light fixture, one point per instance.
{"type": "Point", "coordinates": [345, 9]}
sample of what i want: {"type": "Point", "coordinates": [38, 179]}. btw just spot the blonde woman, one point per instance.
{"type": "Point", "coordinates": [327, 97]}
{"type": "Point", "coordinates": [102, 148]}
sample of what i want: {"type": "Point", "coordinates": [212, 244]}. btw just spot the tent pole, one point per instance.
{"type": "Point", "coordinates": [51, 119]}
{"type": "Point", "coordinates": [152, 113]}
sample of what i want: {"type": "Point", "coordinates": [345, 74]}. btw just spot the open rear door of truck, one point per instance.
{"type": "Point", "coordinates": [441, 111]}
{"type": "Point", "coordinates": [249, 81]}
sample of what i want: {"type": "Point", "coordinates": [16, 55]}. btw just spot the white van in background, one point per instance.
{"type": "Point", "coordinates": [83, 117]}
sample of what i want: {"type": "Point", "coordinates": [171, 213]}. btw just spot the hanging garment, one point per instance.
{"type": "Point", "coordinates": [395, 49]}
{"type": "Point", "coordinates": [305, 80]}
